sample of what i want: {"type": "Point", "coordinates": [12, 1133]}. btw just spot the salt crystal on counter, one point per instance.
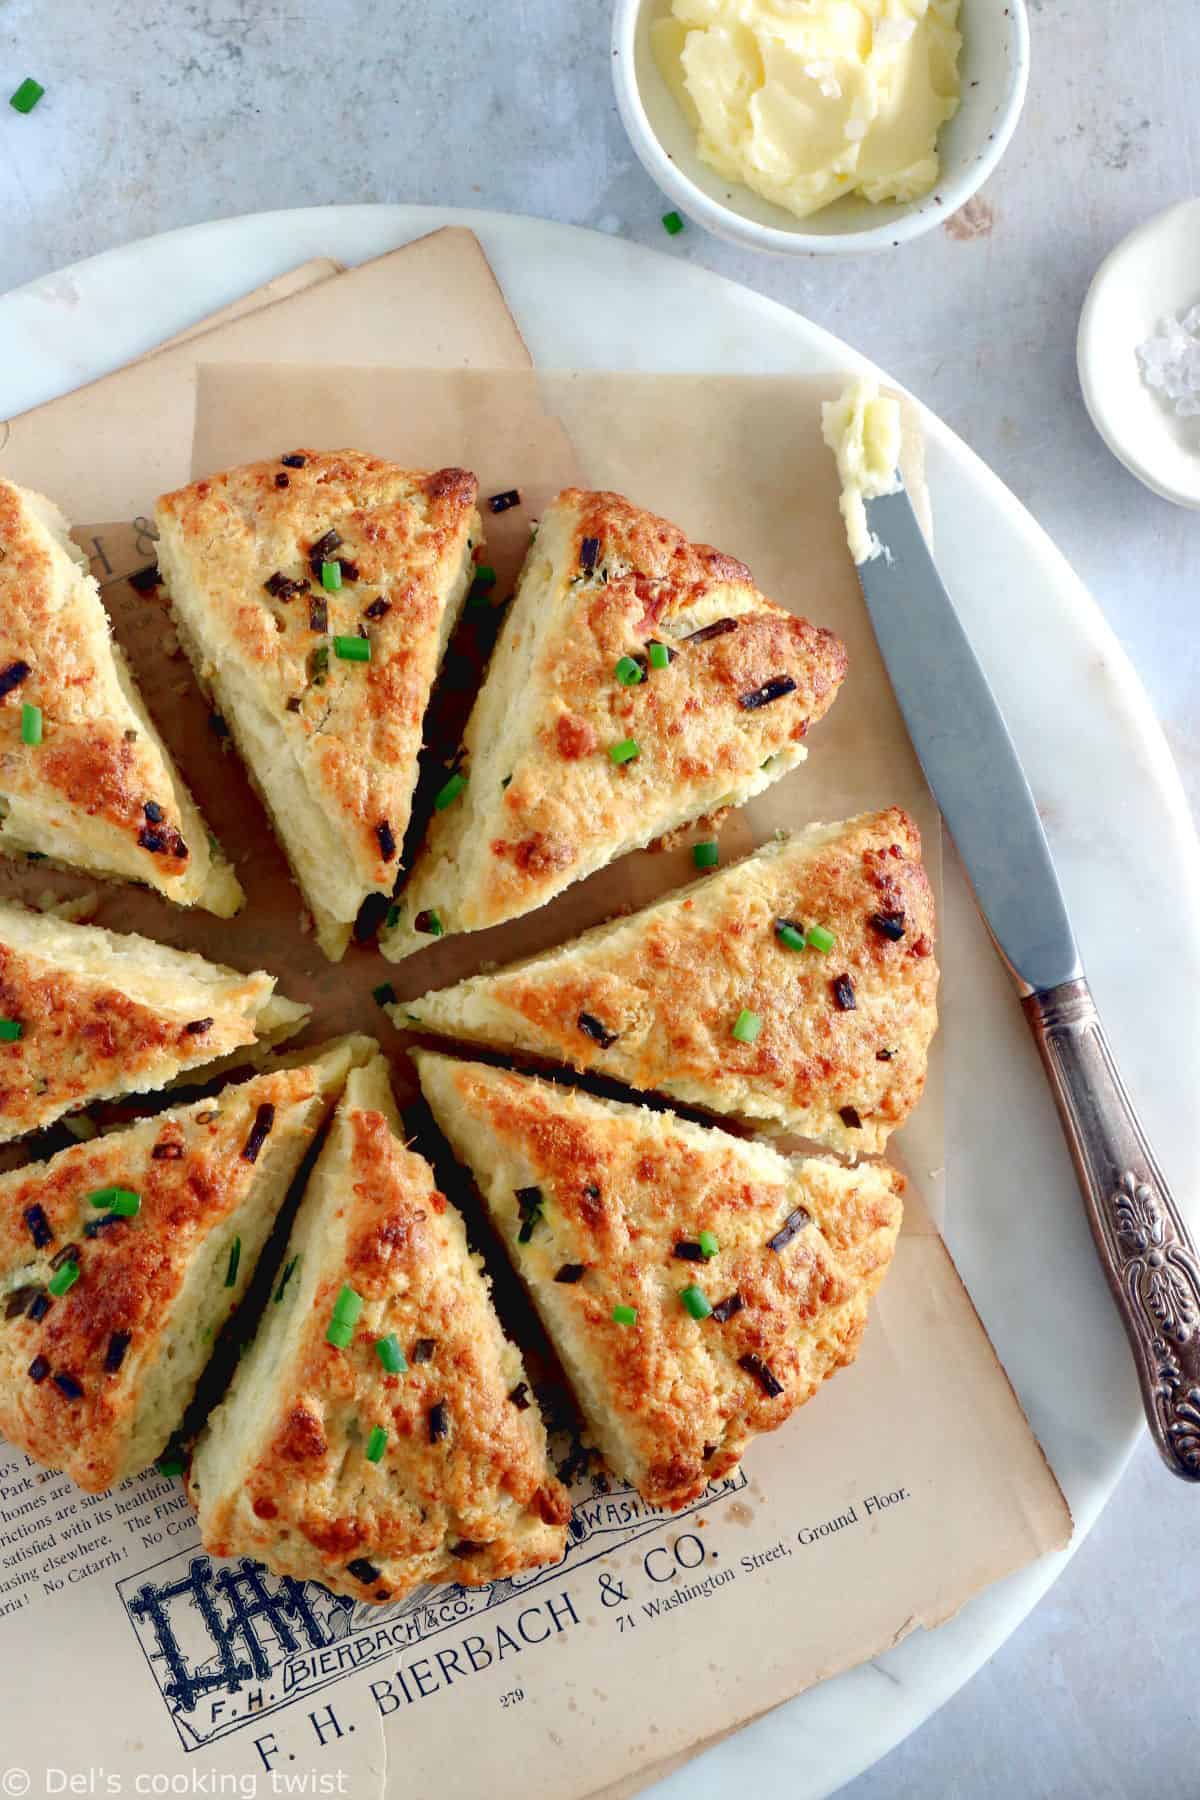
{"type": "Point", "coordinates": [1170, 362]}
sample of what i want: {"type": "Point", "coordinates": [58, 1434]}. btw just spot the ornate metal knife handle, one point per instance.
{"type": "Point", "coordinates": [1148, 1253]}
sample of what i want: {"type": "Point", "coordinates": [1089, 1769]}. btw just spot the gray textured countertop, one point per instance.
{"type": "Point", "coordinates": [165, 112]}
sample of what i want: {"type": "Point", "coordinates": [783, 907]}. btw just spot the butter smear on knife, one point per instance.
{"type": "Point", "coordinates": [862, 428]}
{"type": "Point", "coordinates": [807, 100]}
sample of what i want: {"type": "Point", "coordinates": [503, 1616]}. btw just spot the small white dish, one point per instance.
{"type": "Point", "coordinates": [994, 67]}
{"type": "Point", "coordinates": [1152, 274]}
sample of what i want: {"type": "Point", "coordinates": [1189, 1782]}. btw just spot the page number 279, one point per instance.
{"type": "Point", "coordinates": [513, 1697]}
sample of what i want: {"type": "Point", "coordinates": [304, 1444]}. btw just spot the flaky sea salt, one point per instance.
{"type": "Point", "coordinates": [1170, 362]}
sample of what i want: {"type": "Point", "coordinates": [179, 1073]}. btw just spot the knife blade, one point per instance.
{"type": "Point", "coordinates": [1147, 1252]}
{"type": "Point", "coordinates": [965, 750]}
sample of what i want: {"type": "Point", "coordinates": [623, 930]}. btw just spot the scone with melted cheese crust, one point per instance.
{"type": "Point", "coordinates": [107, 1320]}
{"type": "Point", "coordinates": [652, 999]}
{"type": "Point", "coordinates": [567, 767]}
{"type": "Point", "coordinates": [98, 790]}
{"type": "Point", "coordinates": [104, 1013]}
{"type": "Point", "coordinates": [325, 1462]}
{"type": "Point", "coordinates": [324, 691]}
{"type": "Point", "coordinates": [605, 1210]}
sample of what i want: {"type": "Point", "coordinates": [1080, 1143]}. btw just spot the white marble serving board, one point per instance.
{"type": "Point", "coordinates": [1108, 791]}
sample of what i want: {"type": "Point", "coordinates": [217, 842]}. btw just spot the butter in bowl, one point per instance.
{"type": "Point", "coordinates": [820, 125]}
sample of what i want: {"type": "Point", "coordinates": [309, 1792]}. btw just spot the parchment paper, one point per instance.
{"type": "Point", "coordinates": [911, 1481]}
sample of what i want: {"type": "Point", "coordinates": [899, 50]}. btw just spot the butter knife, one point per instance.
{"type": "Point", "coordinates": [1146, 1249]}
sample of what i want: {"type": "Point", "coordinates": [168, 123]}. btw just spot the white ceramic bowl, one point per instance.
{"type": "Point", "coordinates": [994, 68]}
{"type": "Point", "coordinates": [1154, 272]}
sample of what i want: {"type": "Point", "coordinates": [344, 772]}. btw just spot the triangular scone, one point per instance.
{"type": "Point", "coordinates": [85, 778]}
{"type": "Point", "coordinates": [108, 1319]}
{"type": "Point", "coordinates": [697, 1287]}
{"type": "Point", "coordinates": [568, 767]}
{"type": "Point", "coordinates": [653, 999]}
{"type": "Point", "coordinates": [90, 1014]}
{"type": "Point", "coordinates": [408, 1449]}
{"type": "Point", "coordinates": [324, 688]}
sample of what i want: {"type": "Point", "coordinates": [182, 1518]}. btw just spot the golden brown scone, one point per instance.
{"type": "Point", "coordinates": [652, 999]}
{"type": "Point", "coordinates": [96, 1370]}
{"type": "Point", "coordinates": [612, 1201]}
{"type": "Point", "coordinates": [99, 791]}
{"type": "Point", "coordinates": [324, 1464]}
{"type": "Point", "coordinates": [545, 803]}
{"type": "Point", "coordinates": [104, 1013]}
{"type": "Point", "coordinates": [330, 742]}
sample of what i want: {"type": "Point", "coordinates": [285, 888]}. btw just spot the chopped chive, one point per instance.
{"type": "Point", "coordinates": [746, 1026]}
{"type": "Point", "coordinates": [340, 1335]}
{"type": "Point", "coordinates": [347, 1306]}
{"type": "Point", "coordinates": [625, 751]}
{"type": "Point", "coordinates": [659, 655]}
{"type": "Point", "coordinates": [393, 918]}
{"type": "Point", "coordinates": [10, 1030]}
{"type": "Point", "coordinates": [706, 855]}
{"type": "Point", "coordinates": [624, 1315]}
{"type": "Point", "coordinates": [819, 938]}
{"type": "Point", "coordinates": [235, 1259]}
{"type": "Point", "coordinates": [27, 95]}
{"type": "Point", "coordinates": [429, 921]}
{"type": "Point", "coordinates": [672, 224]}
{"type": "Point", "coordinates": [63, 1278]}
{"type": "Point", "coordinates": [331, 577]}
{"type": "Point", "coordinates": [289, 1271]}
{"type": "Point", "coordinates": [774, 689]}
{"type": "Point", "coordinates": [485, 576]}
{"type": "Point", "coordinates": [31, 724]}
{"type": "Point", "coordinates": [169, 1466]}
{"type": "Point", "coordinates": [388, 1350]}
{"type": "Point", "coordinates": [627, 672]}
{"type": "Point", "coordinates": [352, 649]}
{"type": "Point", "coordinates": [448, 793]}
{"type": "Point", "coordinates": [376, 1444]}
{"type": "Point", "coordinates": [384, 994]}
{"type": "Point", "coordinates": [318, 662]}
{"type": "Point", "coordinates": [790, 936]}
{"type": "Point", "coordinates": [696, 1302]}
{"type": "Point", "coordinates": [708, 1244]}
{"type": "Point", "coordinates": [121, 1201]}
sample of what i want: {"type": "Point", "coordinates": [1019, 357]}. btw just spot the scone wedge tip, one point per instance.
{"type": "Point", "coordinates": [315, 595]}
{"type": "Point", "coordinates": [380, 1431]}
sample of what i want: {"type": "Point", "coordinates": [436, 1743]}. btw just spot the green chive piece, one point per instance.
{"type": "Point", "coordinates": [625, 751]}
{"type": "Point", "coordinates": [347, 1307]}
{"type": "Point", "coordinates": [430, 922]}
{"type": "Point", "coordinates": [339, 1335]}
{"type": "Point", "coordinates": [319, 661]}
{"type": "Point", "coordinates": [288, 1272]}
{"type": "Point", "coordinates": [31, 724]}
{"type": "Point", "coordinates": [122, 1201]}
{"type": "Point", "coordinates": [790, 936]}
{"type": "Point", "coordinates": [393, 918]}
{"type": "Point", "coordinates": [449, 792]}
{"type": "Point", "coordinates": [746, 1026]}
{"type": "Point", "coordinates": [659, 655]}
{"type": "Point", "coordinates": [384, 994]}
{"type": "Point", "coordinates": [235, 1258]}
{"type": "Point", "coordinates": [10, 1030]}
{"type": "Point", "coordinates": [485, 576]}
{"type": "Point", "coordinates": [63, 1278]}
{"type": "Point", "coordinates": [27, 95]}
{"type": "Point", "coordinates": [376, 1443]}
{"type": "Point", "coordinates": [331, 577]}
{"type": "Point", "coordinates": [627, 672]}
{"type": "Point", "coordinates": [708, 1244]}
{"type": "Point", "coordinates": [820, 939]}
{"type": "Point", "coordinates": [388, 1350]}
{"type": "Point", "coordinates": [352, 649]}
{"type": "Point", "coordinates": [624, 1315]}
{"type": "Point", "coordinates": [706, 856]}
{"type": "Point", "coordinates": [672, 224]}
{"type": "Point", "coordinates": [169, 1466]}
{"type": "Point", "coordinates": [696, 1302]}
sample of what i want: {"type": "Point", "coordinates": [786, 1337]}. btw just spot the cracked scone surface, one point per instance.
{"type": "Point", "coordinates": [545, 804]}
{"type": "Point", "coordinates": [105, 1013]}
{"type": "Point", "coordinates": [324, 690]}
{"type": "Point", "coordinates": [671, 1400]}
{"type": "Point", "coordinates": [461, 1489]}
{"type": "Point", "coordinates": [658, 992]}
{"type": "Point", "coordinates": [94, 1379]}
{"type": "Point", "coordinates": [99, 791]}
